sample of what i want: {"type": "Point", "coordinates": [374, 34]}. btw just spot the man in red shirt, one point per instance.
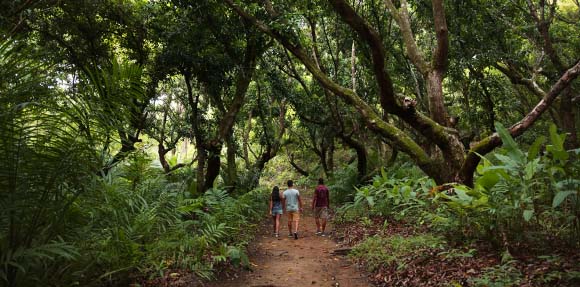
{"type": "Point", "coordinates": [320, 204]}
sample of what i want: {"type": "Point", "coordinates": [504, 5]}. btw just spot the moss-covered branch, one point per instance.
{"type": "Point", "coordinates": [488, 144]}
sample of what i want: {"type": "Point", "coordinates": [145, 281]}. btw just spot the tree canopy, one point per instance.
{"type": "Point", "coordinates": [223, 93]}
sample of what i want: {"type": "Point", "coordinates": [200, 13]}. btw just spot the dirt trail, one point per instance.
{"type": "Point", "coordinates": [308, 261]}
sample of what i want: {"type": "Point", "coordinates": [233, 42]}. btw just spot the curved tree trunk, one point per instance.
{"type": "Point", "coordinates": [488, 144]}
{"type": "Point", "coordinates": [259, 166]}
{"type": "Point", "coordinates": [452, 165]}
{"type": "Point", "coordinates": [361, 154]}
{"type": "Point", "coordinates": [161, 151]}
{"type": "Point", "coordinates": [297, 167]}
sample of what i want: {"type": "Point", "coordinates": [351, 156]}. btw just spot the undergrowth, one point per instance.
{"type": "Point", "coordinates": [524, 203]}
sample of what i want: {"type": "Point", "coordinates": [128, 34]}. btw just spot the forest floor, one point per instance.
{"type": "Point", "coordinates": [469, 263]}
{"type": "Point", "coordinates": [314, 260]}
{"type": "Point", "coordinates": [284, 261]}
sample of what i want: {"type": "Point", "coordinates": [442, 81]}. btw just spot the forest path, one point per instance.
{"type": "Point", "coordinates": [284, 261]}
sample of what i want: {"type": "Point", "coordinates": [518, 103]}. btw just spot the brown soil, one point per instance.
{"type": "Point", "coordinates": [284, 261]}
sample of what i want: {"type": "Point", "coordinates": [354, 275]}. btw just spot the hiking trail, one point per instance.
{"type": "Point", "coordinates": [284, 261]}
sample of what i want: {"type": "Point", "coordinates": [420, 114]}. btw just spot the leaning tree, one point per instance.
{"type": "Point", "coordinates": [445, 157]}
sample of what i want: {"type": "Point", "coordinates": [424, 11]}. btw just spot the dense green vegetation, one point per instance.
{"type": "Point", "coordinates": [523, 203]}
{"type": "Point", "coordinates": [140, 138]}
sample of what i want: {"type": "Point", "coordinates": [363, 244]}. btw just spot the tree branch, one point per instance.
{"type": "Point", "coordinates": [440, 135]}
{"type": "Point", "coordinates": [493, 141]}
{"type": "Point", "coordinates": [242, 83]}
{"type": "Point", "coordinates": [373, 39]}
{"type": "Point", "coordinates": [517, 79]}
{"type": "Point", "coordinates": [402, 18]}
{"type": "Point", "coordinates": [441, 31]}
{"type": "Point", "coordinates": [543, 26]}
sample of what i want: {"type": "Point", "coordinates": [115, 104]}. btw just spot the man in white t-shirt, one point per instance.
{"type": "Point", "coordinates": [292, 204]}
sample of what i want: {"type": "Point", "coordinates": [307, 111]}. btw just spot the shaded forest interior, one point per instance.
{"type": "Point", "coordinates": [141, 139]}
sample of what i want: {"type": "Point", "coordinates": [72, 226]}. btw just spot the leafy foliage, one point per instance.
{"type": "Point", "coordinates": [81, 82]}
{"type": "Point", "coordinates": [396, 249]}
{"type": "Point", "coordinates": [505, 274]}
{"type": "Point", "coordinates": [398, 191]}
{"type": "Point", "coordinates": [64, 223]}
{"type": "Point", "coordinates": [38, 140]}
{"type": "Point", "coordinates": [521, 193]}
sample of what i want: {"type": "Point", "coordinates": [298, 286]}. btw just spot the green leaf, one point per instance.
{"type": "Point", "coordinates": [561, 196]}
{"type": "Point", "coordinates": [508, 161]}
{"type": "Point", "coordinates": [482, 201]}
{"type": "Point", "coordinates": [406, 191]}
{"type": "Point", "coordinates": [528, 214]}
{"type": "Point", "coordinates": [509, 143]}
{"type": "Point", "coordinates": [462, 194]}
{"type": "Point", "coordinates": [371, 201]}
{"type": "Point", "coordinates": [532, 168]}
{"type": "Point", "coordinates": [556, 139]}
{"type": "Point", "coordinates": [488, 179]}
{"type": "Point", "coordinates": [535, 148]}
{"type": "Point", "coordinates": [557, 153]}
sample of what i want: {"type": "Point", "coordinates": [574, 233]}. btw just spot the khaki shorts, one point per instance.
{"type": "Point", "coordinates": [293, 215]}
{"type": "Point", "coordinates": [321, 212]}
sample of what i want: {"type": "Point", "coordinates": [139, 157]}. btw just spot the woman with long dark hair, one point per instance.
{"type": "Point", "coordinates": [276, 209]}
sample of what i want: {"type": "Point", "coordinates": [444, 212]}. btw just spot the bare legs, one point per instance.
{"type": "Point", "coordinates": [276, 223]}
{"type": "Point", "coordinates": [295, 226]}
{"type": "Point", "coordinates": [292, 222]}
{"type": "Point", "coordinates": [320, 224]}
{"type": "Point", "coordinates": [295, 221]}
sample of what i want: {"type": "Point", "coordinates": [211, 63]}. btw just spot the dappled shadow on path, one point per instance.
{"type": "Point", "coordinates": [284, 261]}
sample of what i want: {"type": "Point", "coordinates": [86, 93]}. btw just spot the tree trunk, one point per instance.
{"type": "Point", "coordinates": [488, 144]}
{"type": "Point", "coordinates": [213, 166]}
{"type": "Point", "coordinates": [161, 151]}
{"type": "Point", "coordinates": [323, 160]}
{"type": "Point", "coordinates": [353, 66]}
{"type": "Point", "coordinates": [298, 168]}
{"type": "Point", "coordinates": [330, 158]}
{"type": "Point", "coordinates": [226, 124]}
{"type": "Point", "coordinates": [231, 158]}
{"type": "Point", "coordinates": [437, 109]}
{"type": "Point", "coordinates": [260, 164]}
{"type": "Point", "coordinates": [245, 145]}
{"type": "Point", "coordinates": [127, 146]}
{"type": "Point", "coordinates": [361, 154]}
{"type": "Point", "coordinates": [568, 119]}
{"type": "Point", "coordinates": [200, 171]}
{"type": "Point", "coordinates": [453, 166]}
{"type": "Point", "coordinates": [183, 152]}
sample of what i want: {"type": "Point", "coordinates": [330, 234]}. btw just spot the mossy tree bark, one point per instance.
{"type": "Point", "coordinates": [450, 163]}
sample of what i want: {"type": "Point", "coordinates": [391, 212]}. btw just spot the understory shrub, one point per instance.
{"type": "Point", "coordinates": [136, 221]}
{"type": "Point", "coordinates": [377, 250]}
{"type": "Point", "coordinates": [523, 202]}
{"type": "Point", "coordinates": [343, 184]}
{"type": "Point", "coordinates": [504, 274]}
{"type": "Point", "coordinates": [520, 196]}
{"type": "Point", "coordinates": [399, 191]}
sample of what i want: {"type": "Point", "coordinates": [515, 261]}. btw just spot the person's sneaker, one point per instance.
{"type": "Point", "coordinates": [295, 235]}
{"type": "Point", "coordinates": [322, 234]}
{"type": "Point", "coordinates": [276, 235]}
{"type": "Point", "coordinates": [318, 232]}
{"type": "Point", "coordinates": [290, 235]}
